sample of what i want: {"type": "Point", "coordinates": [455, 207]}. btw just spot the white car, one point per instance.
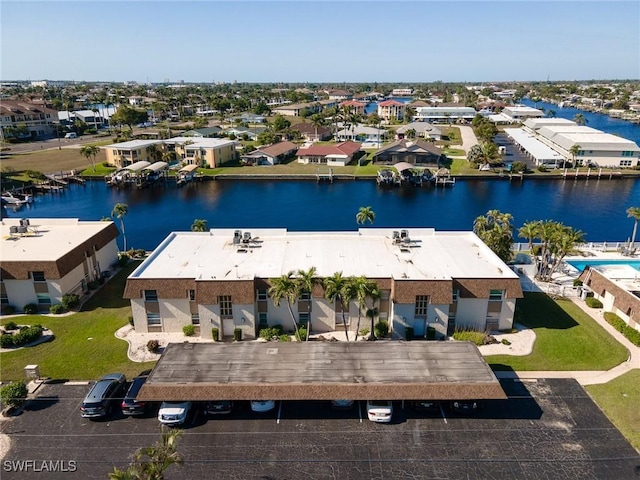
{"type": "Point", "coordinates": [262, 405]}
{"type": "Point", "coordinates": [174, 413]}
{"type": "Point", "coordinates": [379, 411]}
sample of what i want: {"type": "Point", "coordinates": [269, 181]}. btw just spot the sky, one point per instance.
{"type": "Point", "coordinates": [327, 41]}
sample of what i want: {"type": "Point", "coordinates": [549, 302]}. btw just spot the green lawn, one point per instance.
{"type": "Point", "coordinates": [85, 346]}
{"type": "Point", "coordinates": [566, 339]}
{"type": "Point", "coordinates": [619, 399]}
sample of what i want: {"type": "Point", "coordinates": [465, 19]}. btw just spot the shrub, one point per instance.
{"type": "Point", "coordinates": [408, 333]}
{"type": "Point", "coordinates": [468, 335]}
{"type": "Point", "coordinates": [30, 309]}
{"type": "Point", "coordinates": [364, 332]}
{"type": "Point", "coordinates": [153, 346]}
{"type": "Point", "coordinates": [8, 309]}
{"type": "Point", "coordinates": [93, 285]}
{"type": "Point", "coordinates": [237, 334]}
{"type": "Point", "coordinates": [381, 328]}
{"type": "Point", "coordinates": [301, 336]}
{"type": "Point", "coordinates": [504, 341]}
{"type": "Point", "coordinates": [284, 338]}
{"type": "Point", "coordinates": [431, 333]}
{"type": "Point", "coordinates": [631, 334]}
{"type": "Point", "coordinates": [518, 167]}
{"type": "Point", "coordinates": [593, 302]}
{"type": "Point", "coordinates": [56, 309]}
{"type": "Point", "coordinates": [542, 169]}
{"type": "Point", "coordinates": [27, 335]}
{"type": "Point", "coordinates": [215, 334]}
{"type": "Point", "coordinates": [13, 394]}
{"type": "Point", "coordinates": [6, 340]}
{"type": "Point", "coordinates": [189, 330]}
{"type": "Point", "coordinates": [270, 333]}
{"type": "Point", "coordinates": [577, 282]}
{"type": "Point", "coordinates": [70, 301]}
{"type": "Point", "coordinates": [11, 326]}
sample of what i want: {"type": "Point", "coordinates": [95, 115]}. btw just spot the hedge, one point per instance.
{"type": "Point", "coordinates": [215, 334]}
{"type": "Point", "coordinates": [381, 329]}
{"type": "Point", "coordinates": [13, 394]}
{"type": "Point", "coordinates": [616, 322]}
{"type": "Point", "coordinates": [593, 302]}
{"type": "Point", "coordinates": [25, 335]}
{"type": "Point", "coordinates": [473, 336]}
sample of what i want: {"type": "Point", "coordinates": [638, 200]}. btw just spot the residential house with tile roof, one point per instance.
{"type": "Point", "coordinates": [270, 154]}
{"type": "Point", "coordinates": [38, 119]}
{"type": "Point", "coordinates": [416, 152]}
{"type": "Point", "coordinates": [391, 109]}
{"type": "Point", "coordinates": [312, 133]}
{"type": "Point", "coordinates": [337, 155]}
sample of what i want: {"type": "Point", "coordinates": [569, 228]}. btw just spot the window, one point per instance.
{"type": "Point", "coordinates": [625, 163]}
{"type": "Point", "coordinates": [38, 276]}
{"type": "Point", "coordinates": [305, 296]}
{"type": "Point", "coordinates": [496, 295]}
{"type": "Point", "coordinates": [456, 295]}
{"type": "Point", "coordinates": [262, 294]}
{"type": "Point", "coordinates": [262, 320]}
{"type": "Point", "coordinates": [43, 299]}
{"type": "Point", "coordinates": [195, 319]}
{"type": "Point", "coordinates": [192, 295]}
{"type": "Point", "coordinates": [150, 296]}
{"type": "Point", "coordinates": [422, 304]}
{"type": "Point", "coordinates": [226, 306]}
{"type": "Point", "coordinates": [303, 318]}
{"type": "Point", "coordinates": [153, 319]}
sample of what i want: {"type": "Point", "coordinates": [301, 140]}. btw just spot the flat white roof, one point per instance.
{"type": "Point", "coordinates": [536, 123]}
{"type": "Point", "coordinates": [522, 109]}
{"type": "Point", "coordinates": [371, 252]}
{"type": "Point", "coordinates": [533, 146]}
{"type": "Point", "coordinates": [47, 239]}
{"type": "Point", "coordinates": [201, 142]}
{"type": "Point", "coordinates": [133, 144]}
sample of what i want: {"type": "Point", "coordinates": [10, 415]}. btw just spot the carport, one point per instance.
{"type": "Point", "coordinates": [389, 370]}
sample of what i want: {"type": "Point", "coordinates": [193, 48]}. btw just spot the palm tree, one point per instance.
{"type": "Point", "coordinates": [90, 151]}
{"type": "Point", "coordinates": [364, 215]}
{"type": "Point", "coordinates": [574, 151]}
{"type": "Point", "coordinates": [633, 212]}
{"type": "Point", "coordinates": [199, 225]}
{"type": "Point", "coordinates": [317, 120]}
{"type": "Point", "coordinates": [337, 289]}
{"type": "Point", "coordinates": [529, 231]}
{"type": "Point", "coordinates": [119, 211]}
{"type": "Point", "coordinates": [155, 151]}
{"type": "Point", "coordinates": [150, 463]}
{"type": "Point", "coordinates": [363, 289]}
{"type": "Point", "coordinates": [580, 119]}
{"type": "Point", "coordinates": [306, 281]}
{"type": "Point", "coordinates": [288, 288]}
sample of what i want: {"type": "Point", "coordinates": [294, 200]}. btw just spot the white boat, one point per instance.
{"type": "Point", "coordinates": [9, 199]}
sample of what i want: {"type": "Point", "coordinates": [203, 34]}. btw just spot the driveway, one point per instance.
{"type": "Point", "coordinates": [548, 428]}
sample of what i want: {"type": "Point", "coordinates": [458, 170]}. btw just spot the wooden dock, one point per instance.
{"type": "Point", "coordinates": [324, 177]}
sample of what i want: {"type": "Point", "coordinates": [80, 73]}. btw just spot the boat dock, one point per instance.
{"type": "Point", "coordinates": [324, 177]}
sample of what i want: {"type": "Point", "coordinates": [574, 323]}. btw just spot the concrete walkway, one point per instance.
{"type": "Point", "coordinates": [468, 138]}
{"type": "Point", "coordinates": [589, 377]}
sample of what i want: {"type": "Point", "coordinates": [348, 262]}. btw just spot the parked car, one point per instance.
{"type": "Point", "coordinates": [465, 406]}
{"type": "Point", "coordinates": [131, 406]}
{"type": "Point", "coordinates": [262, 405]}
{"type": "Point", "coordinates": [342, 404]}
{"type": "Point", "coordinates": [174, 413]}
{"type": "Point", "coordinates": [379, 411]}
{"type": "Point", "coordinates": [71, 135]}
{"type": "Point", "coordinates": [425, 405]}
{"type": "Point", "coordinates": [218, 407]}
{"type": "Point", "coordinates": [103, 396]}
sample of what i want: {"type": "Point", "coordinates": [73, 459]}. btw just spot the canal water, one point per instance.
{"type": "Point", "coordinates": [597, 207]}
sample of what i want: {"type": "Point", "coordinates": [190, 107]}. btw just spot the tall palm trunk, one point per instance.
{"type": "Point", "coordinates": [344, 322]}
{"type": "Point", "coordinates": [633, 234]}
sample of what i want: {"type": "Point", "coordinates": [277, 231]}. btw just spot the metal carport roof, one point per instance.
{"type": "Point", "coordinates": [391, 370]}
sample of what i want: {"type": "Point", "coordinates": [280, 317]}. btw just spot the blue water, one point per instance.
{"type": "Point", "coordinates": [581, 264]}
{"type": "Point", "coordinates": [597, 207]}
{"type": "Point", "coordinates": [599, 121]}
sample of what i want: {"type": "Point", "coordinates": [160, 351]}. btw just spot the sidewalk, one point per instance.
{"type": "Point", "coordinates": [588, 377]}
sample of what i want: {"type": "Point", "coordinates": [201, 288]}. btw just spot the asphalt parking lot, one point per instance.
{"type": "Point", "coordinates": [547, 429]}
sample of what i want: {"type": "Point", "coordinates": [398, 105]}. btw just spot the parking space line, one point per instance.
{"type": "Point", "coordinates": [444, 417]}
{"type": "Point", "coordinates": [360, 411]}
{"type": "Point", "coordinates": [279, 411]}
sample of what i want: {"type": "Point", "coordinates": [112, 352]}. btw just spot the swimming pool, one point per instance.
{"type": "Point", "coordinates": [580, 264]}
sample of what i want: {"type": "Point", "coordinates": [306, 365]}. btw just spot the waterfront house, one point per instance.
{"type": "Point", "coordinates": [430, 281]}
{"type": "Point", "coordinates": [391, 110]}
{"type": "Point", "coordinates": [361, 133]}
{"type": "Point", "coordinates": [37, 119]}
{"type": "Point", "coordinates": [353, 106]}
{"type": "Point", "coordinates": [312, 133]}
{"type": "Point", "coordinates": [422, 130]}
{"type": "Point", "coordinates": [207, 132]}
{"type": "Point", "coordinates": [43, 259]}
{"type": "Point", "coordinates": [204, 152]}
{"type": "Point", "coordinates": [270, 154]}
{"type": "Point", "coordinates": [337, 155]}
{"type": "Point", "coordinates": [416, 152]}
{"type": "Point", "coordinates": [520, 113]}
{"type": "Point", "coordinates": [296, 109]}
{"type": "Point", "coordinates": [339, 95]}
{"type": "Point", "coordinates": [242, 132]}
{"type": "Point", "coordinates": [444, 114]}
{"type": "Point", "coordinates": [124, 154]}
